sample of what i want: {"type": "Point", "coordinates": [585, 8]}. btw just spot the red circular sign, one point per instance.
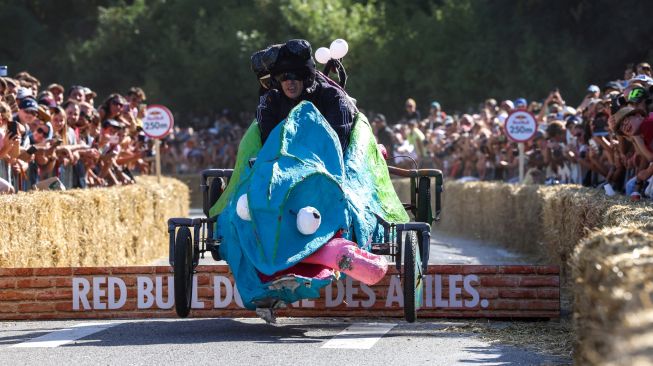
{"type": "Point", "coordinates": [158, 121]}
{"type": "Point", "coordinates": [520, 126]}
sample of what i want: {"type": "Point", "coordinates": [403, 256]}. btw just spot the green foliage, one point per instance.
{"type": "Point", "coordinates": [193, 55]}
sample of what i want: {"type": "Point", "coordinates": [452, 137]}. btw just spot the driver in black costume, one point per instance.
{"type": "Point", "coordinates": [293, 78]}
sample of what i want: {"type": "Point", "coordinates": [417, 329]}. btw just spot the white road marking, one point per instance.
{"type": "Point", "coordinates": [65, 336]}
{"type": "Point", "coordinates": [359, 336]}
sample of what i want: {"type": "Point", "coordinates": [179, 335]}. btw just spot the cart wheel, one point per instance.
{"type": "Point", "coordinates": [183, 271]}
{"type": "Point", "coordinates": [215, 190]}
{"type": "Point", "coordinates": [412, 275]}
{"type": "Point", "coordinates": [423, 206]}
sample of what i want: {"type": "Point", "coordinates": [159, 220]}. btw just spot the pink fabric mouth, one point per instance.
{"type": "Point", "coordinates": [338, 254]}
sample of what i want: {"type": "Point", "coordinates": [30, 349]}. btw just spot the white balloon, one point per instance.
{"type": "Point", "coordinates": [242, 208]}
{"type": "Point", "coordinates": [322, 55]}
{"type": "Point", "coordinates": [308, 220]}
{"type": "Point", "coordinates": [339, 48]}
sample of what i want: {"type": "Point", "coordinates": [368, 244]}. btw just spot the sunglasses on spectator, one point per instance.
{"type": "Point", "coordinates": [116, 102]}
{"type": "Point", "coordinates": [41, 131]}
{"type": "Point", "coordinates": [287, 76]}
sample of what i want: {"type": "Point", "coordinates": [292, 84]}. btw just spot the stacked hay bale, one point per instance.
{"type": "Point", "coordinates": [90, 227]}
{"type": "Point", "coordinates": [614, 298]}
{"type": "Point", "coordinates": [504, 213]}
{"type": "Point", "coordinates": [607, 241]}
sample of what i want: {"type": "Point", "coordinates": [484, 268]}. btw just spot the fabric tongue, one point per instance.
{"type": "Point", "coordinates": [345, 256]}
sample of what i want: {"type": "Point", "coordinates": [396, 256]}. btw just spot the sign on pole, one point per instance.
{"type": "Point", "coordinates": [520, 126]}
{"type": "Point", "coordinates": [157, 124]}
{"type": "Point", "coordinates": [158, 121]}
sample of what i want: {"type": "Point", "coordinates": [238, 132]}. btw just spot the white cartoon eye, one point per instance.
{"type": "Point", "coordinates": [242, 208]}
{"type": "Point", "coordinates": [308, 220]}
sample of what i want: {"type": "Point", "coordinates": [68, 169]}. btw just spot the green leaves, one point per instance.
{"type": "Point", "coordinates": [193, 55]}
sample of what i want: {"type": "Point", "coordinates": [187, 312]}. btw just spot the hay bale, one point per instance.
{"type": "Point", "coordinates": [613, 314]}
{"type": "Point", "coordinates": [504, 213]}
{"type": "Point", "coordinates": [91, 227]}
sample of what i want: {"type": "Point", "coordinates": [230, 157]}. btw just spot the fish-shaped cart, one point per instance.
{"type": "Point", "coordinates": [297, 213]}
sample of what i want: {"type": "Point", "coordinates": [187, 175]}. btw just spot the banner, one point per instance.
{"type": "Point", "coordinates": [142, 292]}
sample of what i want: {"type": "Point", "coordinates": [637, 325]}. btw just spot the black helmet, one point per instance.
{"type": "Point", "coordinates": [296, 56]}
{"type": "Point", "coordinates": [262, 62]}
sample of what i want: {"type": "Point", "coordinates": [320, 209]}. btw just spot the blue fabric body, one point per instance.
{"type": "Point", "coordinates": [301, 164]}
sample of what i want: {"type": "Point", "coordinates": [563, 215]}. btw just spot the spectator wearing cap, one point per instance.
{"type": "Point", "coordinates": [22, 93]}
{"type": "Point", "coordinates": [642, 80]}
{"type": "Point", "coordinates": [612, 87]}
{"type": "Point", "coordinates": [89, 96]}
{"type": "Point", "coordinates": [28, 110]}
{"type": "Point", "coordinates": [435, 118]}
{"type": "Point", "coordinates": [633, 124]}
{"type": "Point", "coordinates": [637, 127]}
{"type": "Point", "coordinates": [505, 108]}
{"type": "Point", "coordinates": [521, 103]}
{"type": "Point", "coordinates": [57, 92]}
{"type": "Point", "coordinates": [636, 96]}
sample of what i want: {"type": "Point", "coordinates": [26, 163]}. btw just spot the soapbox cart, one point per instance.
{"type": "Point", "coordinates": [405, 244]}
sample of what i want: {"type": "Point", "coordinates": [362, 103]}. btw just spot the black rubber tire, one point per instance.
{"type": "Point", "coordinates": [423, 200]}
{"type": "Point", "coordinates": [183, 271]}
{"type": "Point", "coordinates": [216, 187]}
{"type": "Point", "coordinates": [409, 277]}
{"type": "Point", "coordinates": [423, 207]}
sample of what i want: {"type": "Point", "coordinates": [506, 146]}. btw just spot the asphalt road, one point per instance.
{"type": "Point", "coordinates": [252, 342]}
{"type": "Point", "coordinates": [244, 342]}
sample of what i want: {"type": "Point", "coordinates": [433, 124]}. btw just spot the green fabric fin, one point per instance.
{"type": "Point", "coordinates": [248, 148]}
{"type": "Point", "coordinates": [362, 138]}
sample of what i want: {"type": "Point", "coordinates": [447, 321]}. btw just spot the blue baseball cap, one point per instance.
{"type": "Point", "coordinates": [29, 104]}
{"type": "Point", "coordinates": [593, 89]}
{"type": "Point", "coordinates": [435, 105]}
{"type": "Point", "coordinates": [521, 102]}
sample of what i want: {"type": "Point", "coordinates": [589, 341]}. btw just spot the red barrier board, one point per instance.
{"type": "Point", "coordinates": [473, 291]}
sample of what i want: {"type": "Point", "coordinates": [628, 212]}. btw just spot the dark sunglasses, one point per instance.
{"type": "Point", "coordinates": [287, 76]}
{"type": "Point", "coordinates": [115, 102]}
{"type": "Point", "coordinates": [41, 131]}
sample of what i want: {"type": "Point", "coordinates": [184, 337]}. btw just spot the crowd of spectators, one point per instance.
{"type": "Point", "coordinates": [57, 138]}
{"type": "Point", "coordinates": [604, 141]}
{"type": "Point", "coordinates": [211, 144]}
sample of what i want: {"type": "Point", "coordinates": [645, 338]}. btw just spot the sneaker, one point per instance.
{"type": "Point", "coordinates": [609, 191]}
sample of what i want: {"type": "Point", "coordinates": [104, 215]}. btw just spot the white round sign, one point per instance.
{"type": "Point", "coordinates": [520, 126]}
{"type": "Point", "coordinates": [158, 121]}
